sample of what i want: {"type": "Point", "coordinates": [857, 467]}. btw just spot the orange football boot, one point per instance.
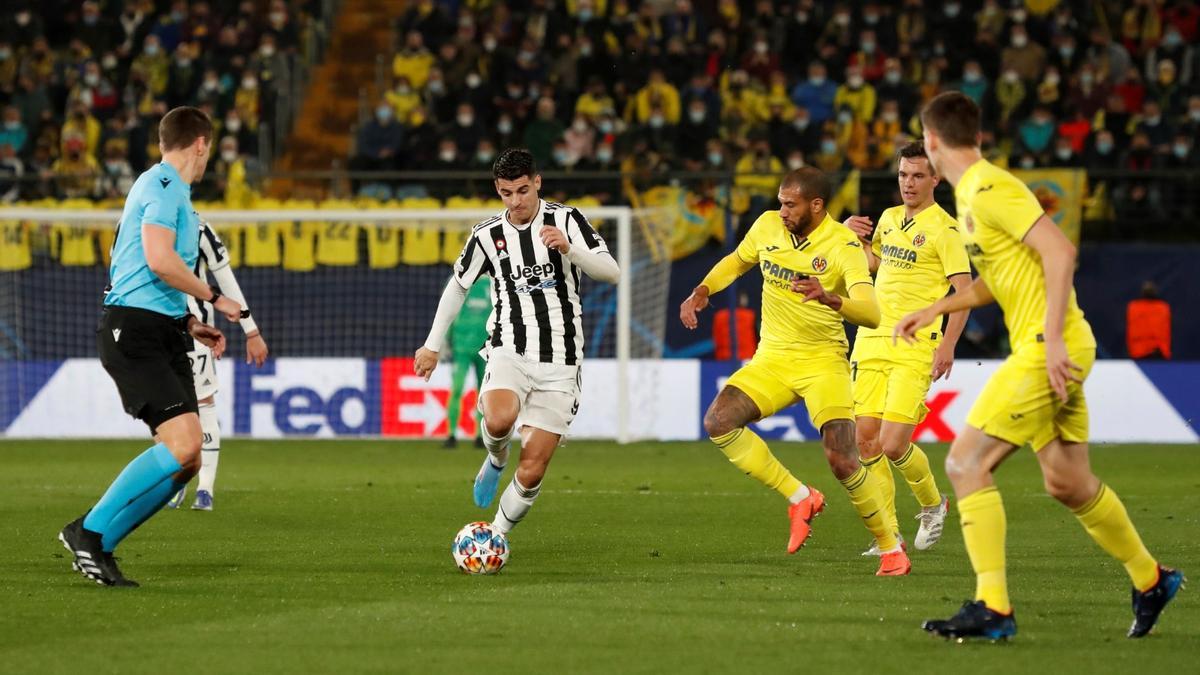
{"type": "Point", "coordinates": [801, 515]}
{"type": "Point", "coordinates": [894, 564]}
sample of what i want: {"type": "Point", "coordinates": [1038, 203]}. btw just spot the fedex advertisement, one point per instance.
{"type": "Point", "coordinates": [382, 398]}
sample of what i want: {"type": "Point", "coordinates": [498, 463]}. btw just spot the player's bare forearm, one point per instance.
{"type": "Point", "coordinates": [725, 272]}
{"type": "Point", "coordinates": [977, 294]}
{"type": "Point", "coordinates": [158, 244]}
{"type": "Point", "coordinates": [1058, 265]}
{"type": "Point", "coordinates": [958, 320]}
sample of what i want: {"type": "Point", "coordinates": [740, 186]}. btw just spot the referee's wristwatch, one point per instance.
{"type": "Point", "coordinates": [215, 294]}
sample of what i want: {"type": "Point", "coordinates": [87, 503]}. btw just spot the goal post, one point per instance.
{"type": "Point", "coordinates": [360, 306]}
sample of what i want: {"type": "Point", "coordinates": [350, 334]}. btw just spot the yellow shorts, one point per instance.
{"type": "Point", "coordinates": [1018, 405]}
{"type": "Point", "coordinates": [775, 381]}
{"type": "Point", "coordinates": [891, 381]}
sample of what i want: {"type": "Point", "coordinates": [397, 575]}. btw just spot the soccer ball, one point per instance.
{"type": "Point", "coordinates": [480, 549]}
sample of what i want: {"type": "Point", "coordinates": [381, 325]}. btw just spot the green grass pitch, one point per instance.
{"type": "Point", "coordinates": [654, 557]}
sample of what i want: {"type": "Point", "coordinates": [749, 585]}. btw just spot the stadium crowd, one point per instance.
{"type": "Point", "coordinates": [83, 85]}
{"type": "Point", "coordinates": [759, 86]}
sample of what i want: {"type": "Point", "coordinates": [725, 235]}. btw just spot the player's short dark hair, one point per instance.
{"type": "Point", "coordinates": [181, 126]}
{"type": "Point", "coordinates": [514, 163]}
{"type": "Point", "coordinates": [954, 117]}
{"type": "Point", "coordinates": [913, 150]}
{"type": "Point", "coordinates": [813, 183]}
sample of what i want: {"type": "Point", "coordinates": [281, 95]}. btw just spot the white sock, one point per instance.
{"type": "Point", "coordinates": [799, 495]}
{"type": "Point", "coordinates": [210, 450]}
{"type": "Point", "coordinates": [496, 447]}
{"type": "Point", "coordinates": [514, 504]}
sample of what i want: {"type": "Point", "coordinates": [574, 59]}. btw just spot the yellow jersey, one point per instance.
{"type": "Point", "coordinates": [917, 257]}
{"type": "Point", "coordinates": [831, 253]}
{"type": "Point", "coordinates": [15, 247]}
{"type": "Point", "coordinates": [996, 211]}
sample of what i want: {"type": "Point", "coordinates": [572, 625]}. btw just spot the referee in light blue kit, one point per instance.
{"type": "Point", "coordinates": [144, 337]}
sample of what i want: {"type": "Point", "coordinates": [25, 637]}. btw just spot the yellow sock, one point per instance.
{"type": "Point", "coordinates": [983, 526]}
{"type": "Point", "coordinates": [1106, 520]}
{"type": "Point", "coordinates": [881, 472]}
{"type": "Point", "coordinates": [749, 453]}
{"type": "Point", "coordinates": [915, 467]}
{"type": "Point", "coordinates": [864, 495]}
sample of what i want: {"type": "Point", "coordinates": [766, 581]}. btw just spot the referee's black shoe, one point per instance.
{"type": "Point", "coordinates": [90, 558]}
{"type": "Point", "coordinates": [450, 443]}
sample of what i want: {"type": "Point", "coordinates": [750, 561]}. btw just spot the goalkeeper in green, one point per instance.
{"type": "Point", "coordinates": [467, 335]}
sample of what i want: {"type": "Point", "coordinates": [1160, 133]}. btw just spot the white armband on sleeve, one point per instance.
{"type": "Point", "coordinates": [448, 307]}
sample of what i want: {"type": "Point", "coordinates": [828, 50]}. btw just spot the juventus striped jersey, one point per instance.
{"type": "Point", "coordinates": [535, 297]}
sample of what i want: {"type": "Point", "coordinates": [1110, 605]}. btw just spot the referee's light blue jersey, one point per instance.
{"type": "Point", "coordinates": [159, 198]}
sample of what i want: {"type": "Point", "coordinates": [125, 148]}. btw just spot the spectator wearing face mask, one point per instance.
{"type": "Point", "coordinates": [829, 158]}
{"type": "Point", "coordinates": [1157, 129]}
{"type": "Point", "coordinates": [1086, 93]}
{"type": "Point", "coordinates": [869, 57]}
{"type": "Point", "coordinates": [659, 90]}
{"type": "Point", "coordinates": [658, 133]}
{"type": "Point", "coordinates": [1076, 129]}
{"type": "Point", "coordinates": [81, 124]}
{"type": "Point", "coordinates": [1190, 122]}
{"type": "Point", "coordinates": [695, 130]}
{"type": "Point", "coordinates": [1173, 48]}
{"type": "Point", "coordinates": [246, 101]}
{"type": "Point", "coordinates": [93, 30]}
{"type": "Point", "coordinates": [594, 101]}
{"type": "Point", "coordinates": [169, 27]}
{"type": "Point", "coordinates": [973, 83]}
{"type": "Point", "coordinates": [466, 129]}
{"type": "Point", "coordinates": [483, 156]}
{"type": "Point", "coordinates": [402, 99]}
{"type": "Point", "coordinates": [1037, 132]}
{"type": "Point", "coordinates": [413, 61]}
{"type": "Point", "coordinates": [1010, 95]}
{"type": "Point", "coordinates": [379, 142]}
{"type": "Point", "coordinates": [1166, 89]}
{"type": "Point", "coordinates": [816, 94]}
{"type": "Point", "coordinates": [1064, 155]}
{"type": "Point", "coordinates": [541, 133]}
{"type": "Point", "coordinates": [892, 87]}
{"type": "Point", "coordinates": [281, 27]}
{"type": "Point", "coordinates": [116, 176]}
{"type": "Point", "coordinates": [183, 76]}
{"type": "Point", "coordinates": [1024, 56]}
{"type": "Point", "coordinates": [11, 171]}
{"type": "Point", "coordinates": [759, 61]}
{"type": "Point", "coordinates": [154, 65]}
{"type": "Point", "coordinates": [76, 173]}
{"type": "Point", "coordinates": [1182, 155]}
{"type": "Point", "coordinates": [580, 139]}
{"type": "Point", "coordinates": [14, 134]}
{"type": "Point", "coordinates": [856, 95]}
{"type": "Point", "coordinates": [1102, 152]}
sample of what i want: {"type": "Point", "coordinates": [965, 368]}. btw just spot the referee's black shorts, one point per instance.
{"type": "Point", "coordinates": [146, 354]}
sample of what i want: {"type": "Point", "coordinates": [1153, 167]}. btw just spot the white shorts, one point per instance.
{"type": "Point", "coordinates": [204, 371]}
{"type": "Point", "coordinates": [548, 392]}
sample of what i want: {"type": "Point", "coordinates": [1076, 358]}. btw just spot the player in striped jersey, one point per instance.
{"type": "Point", "coordinates": [214, 258]}
{"type": "Point", "coordinates": [534, 251]}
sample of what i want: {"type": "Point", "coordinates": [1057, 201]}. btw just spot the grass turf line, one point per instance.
{"type": "Point", "coordinates": [653, 557]}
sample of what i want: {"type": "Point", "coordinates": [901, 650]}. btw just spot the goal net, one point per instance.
{"type": "Point", "coordinates": [344, 296]}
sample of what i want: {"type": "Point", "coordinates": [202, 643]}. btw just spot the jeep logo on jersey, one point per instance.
{"type": "Point", "coordinates": [529, 271]}
{"type": "Point", "coordinates": [819, 264]}
{"type": "Point", "coordinates": [919, 240]}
